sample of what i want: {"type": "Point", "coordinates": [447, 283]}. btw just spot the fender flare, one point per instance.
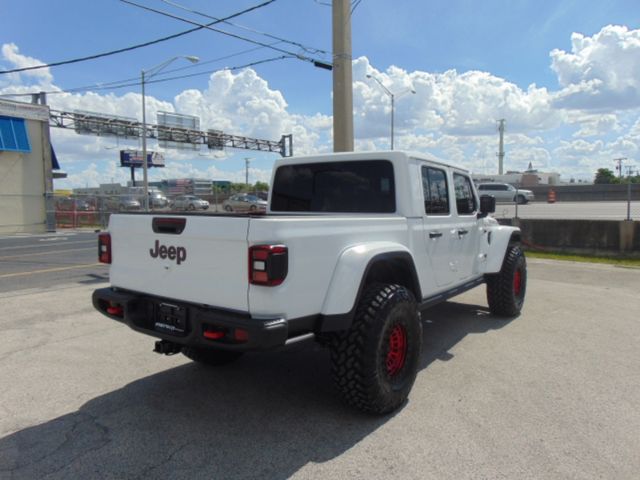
{"type": "Point", "coordinates": [501, 238]}
{"type": "Point", "coordinates": [348, 280]}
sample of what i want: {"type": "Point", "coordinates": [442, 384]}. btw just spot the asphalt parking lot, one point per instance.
{"type": "Point", "coordinates": [551, 394]}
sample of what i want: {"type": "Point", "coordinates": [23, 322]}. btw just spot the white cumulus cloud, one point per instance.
{"type": "Point", "coordinates": [10, 53]}
{"type": "Point", "coordinates": [601, 72]}
{"type": "Point", "coordinates": [467, 103]}
{"type": "Point", "coordinates": [576, 129]}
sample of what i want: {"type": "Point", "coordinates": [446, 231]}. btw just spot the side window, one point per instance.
{"type": "Point", "coordinates": [465, 200]}
{"type": "Point", "coordinates": [436, 196]}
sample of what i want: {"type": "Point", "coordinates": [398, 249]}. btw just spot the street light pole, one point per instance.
{"type": "Point", "coordinates": [145, 167]}
{"type": "Point", "coordinates": [393, 115]}
{"type": "Point", "coordinates": [144, 75]}
{"type": "Point", "coordinates": [392, 96]}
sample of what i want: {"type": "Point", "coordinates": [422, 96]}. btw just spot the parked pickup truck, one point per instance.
{"type": "Point", "coordinates": [352, 248]}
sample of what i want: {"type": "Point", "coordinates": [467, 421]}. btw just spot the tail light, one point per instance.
{"type": "Point", "coordinates": [104, 248]}
{"type": "Point", "coordinates": [268, 264]}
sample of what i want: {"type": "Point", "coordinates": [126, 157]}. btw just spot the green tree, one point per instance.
{"type": "Point", "coordinates": [605, 176]}
{"type": "Point", "coordinates": [261, 187]}
{"type": "Point", "coordinates": [238, 187]}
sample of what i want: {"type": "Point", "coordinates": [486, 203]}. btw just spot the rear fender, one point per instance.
{"type": "Point", "coordinates": [353, 266]}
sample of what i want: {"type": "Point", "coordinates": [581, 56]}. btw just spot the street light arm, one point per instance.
{"type": "Point", "coordinates": [406, 90]}
{"type": "Point", "coordinates": [392, 97]}
{"type": "Point", "coordinates": [388, 92]}
{"type": "Point", "coordinates": [150, 72]}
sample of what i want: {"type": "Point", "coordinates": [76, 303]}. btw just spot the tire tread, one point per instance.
{"type": "Point", "coordinates": [352, 374]}
{"type": "Point", "coordinates": [500, 295]}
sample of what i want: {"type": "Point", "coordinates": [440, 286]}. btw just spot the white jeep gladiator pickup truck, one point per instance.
{"type": "Point", "coordinates": [352, 248]}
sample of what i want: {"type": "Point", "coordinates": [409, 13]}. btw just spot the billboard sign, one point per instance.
{"type": "Point", "coordinates": [133, 158]}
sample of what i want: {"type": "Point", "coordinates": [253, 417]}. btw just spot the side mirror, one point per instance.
{"type": "Point", "coordinates": [487, 205]}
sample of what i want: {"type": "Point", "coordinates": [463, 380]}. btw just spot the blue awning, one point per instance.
{"type": "Point", "coordinates": [54, 160]}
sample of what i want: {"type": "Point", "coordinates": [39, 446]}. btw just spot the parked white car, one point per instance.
{"type": "Point", "coordinates": [504, 192]}
{"type": "Point", "coordinates": [188, 202]}
{"type": "Point", "coordinates": [244, 202]}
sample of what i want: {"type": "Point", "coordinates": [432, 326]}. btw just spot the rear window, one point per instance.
{"type": "Point", "coordinates": [340, 187]}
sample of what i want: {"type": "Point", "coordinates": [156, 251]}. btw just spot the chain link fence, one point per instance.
{"type": "Point", "coordinates": [81, 211]}
{"type": "Point", "coordinates": [592, 202]}
{"type": "Point", "coordinates": [93, 211]}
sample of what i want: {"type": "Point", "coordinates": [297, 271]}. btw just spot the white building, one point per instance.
{"type": "Point", "coordinates": [528, 178]}
{"type": "Point", "coordinates": [26, 161]}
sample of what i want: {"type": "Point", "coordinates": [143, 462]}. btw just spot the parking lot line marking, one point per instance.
{"type": "Point", "coordinates": [48, 253]}
{"type": "Point", "coordinates": [59, 269]}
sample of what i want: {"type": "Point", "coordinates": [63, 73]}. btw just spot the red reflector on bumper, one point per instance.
{"type": "Point", "coordinates": [115, 310]}
{"type": "Point", "coordinates": [213, 334]}
{"type": "Point", "coordinates": [240, 335]}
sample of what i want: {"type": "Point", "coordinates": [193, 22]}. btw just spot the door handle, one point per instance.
{"type": "Point", "coordinates": [435, 234]}
{"type": "Point", "coordinates": [462, 232]}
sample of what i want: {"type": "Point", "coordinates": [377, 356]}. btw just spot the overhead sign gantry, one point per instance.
{"type": "Point", "coordinates": [166, 132]}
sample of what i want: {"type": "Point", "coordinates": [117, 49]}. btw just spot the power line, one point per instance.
{"type": "Point", "coordinates": [316, 62]}
{"type": "Point", "coordinates": [121, 83]}
{"type": "Point", "coordinates": [140, 45]}
{"type": "Point", "coordinates": [115, 83]}
{"type": "Point", "coordinates": [307, 49]}
{"type": "Point", "coordinates": [200, 63]}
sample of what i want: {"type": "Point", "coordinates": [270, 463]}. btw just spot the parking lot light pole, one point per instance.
{"type": "Point", "coordinates": [392, 96]}
{"type": "Point", "coordinates": [145, 75]}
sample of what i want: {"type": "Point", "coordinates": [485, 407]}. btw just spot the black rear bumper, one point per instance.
{"type": "Point", "coordinates": [187, 324]}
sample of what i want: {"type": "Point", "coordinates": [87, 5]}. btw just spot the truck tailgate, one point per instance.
{"type": "Point", "coordinates": [205, 262]}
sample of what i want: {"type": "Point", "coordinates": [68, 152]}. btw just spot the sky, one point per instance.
{"type": "Point", "coordinates": [565, 76]}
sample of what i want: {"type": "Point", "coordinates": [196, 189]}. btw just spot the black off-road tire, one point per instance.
{"type": "Point", "coordinates": [506, 289]}
{"type": "Point", "coordinates": [375, 362]}
{"type": "Point", "coordinates": [209, 356]}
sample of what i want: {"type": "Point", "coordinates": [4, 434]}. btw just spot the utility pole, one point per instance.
{"type": "Point", "coordinates": [342, 77]}
{"type": "Point", "coordinates": [246, 170]}
{"type": "Point", "coordinates": [501, 146]}
{"type": "Point", "coordinates": [619, 167]}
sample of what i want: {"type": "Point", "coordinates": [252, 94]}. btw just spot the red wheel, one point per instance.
{"type": "Point", "coordinates": [517, 283]}
{"type": "Point", "coordinates": [397, 353]}
{"type": "Point", "coordinates": [375, 362]}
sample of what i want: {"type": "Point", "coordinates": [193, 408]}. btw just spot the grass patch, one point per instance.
{"type": "Point", "coordinates": [570, 257]}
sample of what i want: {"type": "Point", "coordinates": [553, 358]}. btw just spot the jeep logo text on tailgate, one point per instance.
{"type": "Point", "coordinates": [179, 254]}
